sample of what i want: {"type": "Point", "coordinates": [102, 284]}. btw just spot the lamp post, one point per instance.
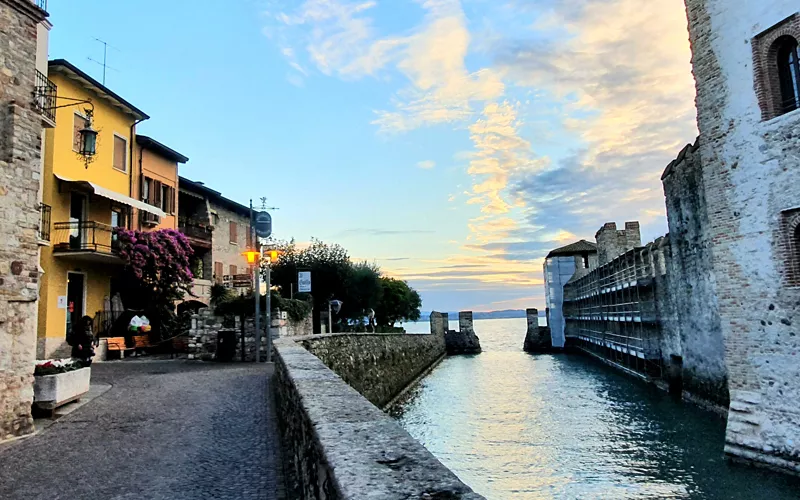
{"type": "Point", "coordinates": [254, 259]}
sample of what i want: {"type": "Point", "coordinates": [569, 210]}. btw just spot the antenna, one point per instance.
{"type": "Point", "coordinates": [104, 64]}
{"type": "Point", "coordinates": [264, 204]}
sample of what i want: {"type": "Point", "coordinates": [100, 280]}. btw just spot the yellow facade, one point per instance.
{"type": "Point", "coordinates": [81, 219]}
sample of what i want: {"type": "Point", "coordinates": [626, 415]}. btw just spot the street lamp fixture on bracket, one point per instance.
{"type": "Point", "coordinates": [87, 148]}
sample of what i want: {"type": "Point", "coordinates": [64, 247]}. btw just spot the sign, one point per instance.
{"type": "Point", "coordinates": [304, 282]}
{"type": "Point", "coordinates": [263, 224]}
{"type": "Point", "coordinates": [62, 301]}
{"type": "Point", "coordinates": [237, 281]}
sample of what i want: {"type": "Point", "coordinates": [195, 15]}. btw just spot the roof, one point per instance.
{"type": "Point", "coordinates": [214, 196]}
{"type": "Point", "coordinates": [577, 248]}
{"type": "Point", "coordinates": [157, 147]}
{"type": "Point", "coordinates": [71, 71]}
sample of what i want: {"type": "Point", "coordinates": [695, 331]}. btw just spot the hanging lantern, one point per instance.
{"type": "Point", "coordinates": [88, 137]}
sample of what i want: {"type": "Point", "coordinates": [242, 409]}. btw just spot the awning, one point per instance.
{"type": "Point", "coordinates": [113, 195]}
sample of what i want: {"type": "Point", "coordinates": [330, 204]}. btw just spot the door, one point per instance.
{"type": "Point", "coordinates": [76, 287]}
{"type": "Point", "coordinates": [77, 218]}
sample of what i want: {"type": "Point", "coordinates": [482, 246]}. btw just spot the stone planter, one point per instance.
{"type": "Point", "coordinates": [52, 391]}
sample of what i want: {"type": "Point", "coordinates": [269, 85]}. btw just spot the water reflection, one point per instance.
{"type": "Point", "coordinates": [517, 426]}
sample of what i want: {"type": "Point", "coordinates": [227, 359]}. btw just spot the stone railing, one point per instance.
{"type": "Point", "coordinates": [337, 444]}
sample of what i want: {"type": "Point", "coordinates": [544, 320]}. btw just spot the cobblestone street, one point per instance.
{"type": "Point", "coordinates": [165, 430]}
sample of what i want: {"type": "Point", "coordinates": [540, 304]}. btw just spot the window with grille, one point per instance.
{"type": "Point", "coordinates": [789, 73]}
{"type": "Point", "coordinates": [78, 123]}
{"type": "Point", "coordinates": [120, 153]}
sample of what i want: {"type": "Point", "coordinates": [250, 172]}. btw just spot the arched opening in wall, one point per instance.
{"type": "Point", "coordinates": [794, 258]}
{"type": "Point", "coordinates": [788, 72]}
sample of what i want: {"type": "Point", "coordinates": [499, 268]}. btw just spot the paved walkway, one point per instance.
{"type": "Point", "coordinates": [165, 430]}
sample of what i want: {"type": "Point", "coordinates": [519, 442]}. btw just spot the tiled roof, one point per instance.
{"type": "Point", "coordinates": [577, 248]}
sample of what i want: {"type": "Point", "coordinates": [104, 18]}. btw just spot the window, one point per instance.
{"type": "Point", "coordinates": [233, 270]}
{"type": "Point", "coordinates": [79, 123]}
{"type": "Point", "coordinates": [120, 153]}
{"type": "Point", "coordinates": [218, 272]}
{"type": "Point", "coordinates": [233, 228]}
{"type": "Point", "coordinates": [791, 246]}
{"type": "Point", "coordinates": [789, 73]}
{"type": "Point", "coordinates": [146, 188]}
{"type": "Point", "coordinates": [167, 199]}
{"type": "Point", "coordinates": [776, 68]}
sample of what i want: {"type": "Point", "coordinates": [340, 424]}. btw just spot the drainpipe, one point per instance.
{"type": "Point", "coordinates": [130, 176]}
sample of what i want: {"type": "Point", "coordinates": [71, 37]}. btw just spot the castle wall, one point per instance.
{"type": "Point", "coordinates": [751, 175]}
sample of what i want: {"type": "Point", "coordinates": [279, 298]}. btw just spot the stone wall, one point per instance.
{"type": "Point", "coordinates": [751, 178]}
{"type": "Point", "coordinates": [20, 171]}
{"type": "Point", "coordinates": [692, 282]}
{"type": "Point", "coordinates": [463, 341]}
{"type": "Point", "coordinates": [537, 338]}
{"type": "Point", "coordinates": [379, 366]}
{"type": "Point", "coordinates": [339, 446]}
{"type": "Point", "coordinates": [612, 243]}
{"type": "Point", "coordinates": [222, 249]}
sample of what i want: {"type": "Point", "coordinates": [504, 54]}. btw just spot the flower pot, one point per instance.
{"type": "Point", "coordinates": [52, 391]}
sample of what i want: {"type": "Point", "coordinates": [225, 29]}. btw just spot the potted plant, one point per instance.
{"type": "Point", "coordinates": [59, 381]}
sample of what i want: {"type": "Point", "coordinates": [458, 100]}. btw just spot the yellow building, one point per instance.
{"type": "Point", "coordinates": [86, 201]}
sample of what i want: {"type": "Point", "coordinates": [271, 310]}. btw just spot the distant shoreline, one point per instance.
{"type": "Point", "coordinates": [504, 314]}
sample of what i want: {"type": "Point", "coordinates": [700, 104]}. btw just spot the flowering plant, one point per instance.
{"type": "Point", "coordinates": [54, 366]}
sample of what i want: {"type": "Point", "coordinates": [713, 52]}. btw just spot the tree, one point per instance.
{"type": "Point", "coordinates": [399, 302]}
{"type": "Point", "coordinates": [157, 271]}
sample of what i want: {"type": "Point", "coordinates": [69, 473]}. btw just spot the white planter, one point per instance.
{"type": "Point", "coordinates": [52, 391]}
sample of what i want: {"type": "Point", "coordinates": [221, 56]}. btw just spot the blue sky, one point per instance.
{"type": "Point", "coordinates": [454, 142]}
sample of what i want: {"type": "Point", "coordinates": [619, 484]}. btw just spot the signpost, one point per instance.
{"type": "Point", "coordinates": [263, 224]}
{"type": "Point", "coordinates": [304, 282]}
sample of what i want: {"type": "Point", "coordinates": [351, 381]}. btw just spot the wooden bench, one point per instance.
{"type": "Point", "coordinates": [117, 344]}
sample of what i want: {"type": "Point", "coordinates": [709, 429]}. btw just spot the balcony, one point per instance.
{"type": "Point", "coordinates": [44, 223]}
{"type": "Point", "coordinates": [85, 240]}
{"type": "Point", "coordinates": [42, 4]}
{"type": "Point", "coordinates": [199, 233]}
{"type": "Point", "coordinates": [44, 98]}
{"type": "Point", "coordinates": [148, 219]}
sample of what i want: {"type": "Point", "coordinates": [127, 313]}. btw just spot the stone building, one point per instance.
{"type": "Point", "coordinates": [613, 243]}
{"type": "Point", "coordinates": [22, 113]}
{"type": "Point", "coordinates": [560, 265]}
{"type": "Point", "coordinates": [745, 62]}
{"type": "Point", "coordinates": [219, 231]}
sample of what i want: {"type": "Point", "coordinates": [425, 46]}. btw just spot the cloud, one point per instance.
{"type": "Point", "coordinates": [427, 164]}
{"type": "Point", "coordinates": [381, 232]}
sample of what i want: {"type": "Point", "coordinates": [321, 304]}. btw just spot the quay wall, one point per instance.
{"type": "Point", "coordinates": [378, 366]}
{"type": "Point", "coordinates": [338, 445]}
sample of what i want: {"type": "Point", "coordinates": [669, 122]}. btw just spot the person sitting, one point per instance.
{"type": "Point", "coordinates": [82, 341]}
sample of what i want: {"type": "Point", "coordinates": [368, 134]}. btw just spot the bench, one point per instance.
{"type": "Point", "coordinates": [117, 344]}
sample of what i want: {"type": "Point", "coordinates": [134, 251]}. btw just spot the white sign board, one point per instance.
{"type": "Point", "coordinates": [62, 301]}
{"type": "Point", "coordinates": [304, 282]}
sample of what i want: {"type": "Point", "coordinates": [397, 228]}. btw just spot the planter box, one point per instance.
{"type": "Point", "coordinates": [52, 391]}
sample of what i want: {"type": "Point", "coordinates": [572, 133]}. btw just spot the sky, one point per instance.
{"type": "Point", "coordinates": [452, 142]}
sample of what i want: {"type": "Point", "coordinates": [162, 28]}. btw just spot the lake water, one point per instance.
{"type": "Point", "coordinates": [516, 426]}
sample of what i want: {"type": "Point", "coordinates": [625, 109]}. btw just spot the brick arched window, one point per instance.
{"type": "Point", "coordinates": [788, 72]}
{"type": "Point", "coordinates": [791, 246]}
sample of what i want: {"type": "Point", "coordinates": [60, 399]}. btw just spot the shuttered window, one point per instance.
{"type": "Point", "coordinates": [233, 238]}
{"type": "Point", "coordinates": [218, 272]}
{"type": "Point", "coordinates": [120, 153]}
{"type": "Point", "coordinates": [233, 270]}
{"type": "Point", "coordinates": [78, 124]}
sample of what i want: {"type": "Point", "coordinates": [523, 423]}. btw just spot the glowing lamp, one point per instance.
{"type": "Point", "coordinates": [252, 256]}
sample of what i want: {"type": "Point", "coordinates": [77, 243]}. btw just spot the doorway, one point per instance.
{"type": "Point", "coordinates": [76, 298]}
{"type": "Point", "coordinates": [77, 216]}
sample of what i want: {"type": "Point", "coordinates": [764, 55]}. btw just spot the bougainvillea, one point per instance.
{"type": "Point", "coordinates": [157, 266]}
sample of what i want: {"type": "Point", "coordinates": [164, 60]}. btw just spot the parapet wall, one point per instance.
{"type": "Point", "coordinates": [338, 445]}
{"type": "Point", "coordinates": [379, 366]}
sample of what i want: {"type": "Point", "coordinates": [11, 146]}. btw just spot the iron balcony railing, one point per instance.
{"type": "Point", "coordinates": [84, 236]}
{"type": "Point", "coordinates": [194, 229]}
{"type": "Point", "coordinates": [44, 223]}
{"type": "Point", "coordinates": [42, 4]}
{"type": "Point", "coordinates": [44, 96]}
{"type": "Point", "coordinates": [149, 219]}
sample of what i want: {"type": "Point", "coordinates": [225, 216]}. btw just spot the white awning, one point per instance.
{"type": "Point", "coordinates": [113, 195]}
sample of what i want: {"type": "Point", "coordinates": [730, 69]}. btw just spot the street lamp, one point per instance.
{"type": "Point", "coordinates": [88, 136]}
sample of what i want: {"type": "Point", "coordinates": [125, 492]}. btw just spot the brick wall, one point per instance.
{"type": "Point", "coordinates": [20, 170]}
{"type": "Point", "coordinates": [612, 243]}
{"type": "Point", "coordinates": [751, 176]}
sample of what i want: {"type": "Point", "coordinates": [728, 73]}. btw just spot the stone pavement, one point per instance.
{"type": "Point", "coordinates": [165, 430]}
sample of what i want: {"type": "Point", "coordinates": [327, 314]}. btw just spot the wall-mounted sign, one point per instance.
{"type": "Point", "coordinates": [304, 282]}
{"type": "Point", "coordinates": [62, 301]}
{"type": "Point", "coordinates": [263, 224]}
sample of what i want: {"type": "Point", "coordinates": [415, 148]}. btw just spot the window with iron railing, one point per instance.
{"type": "Point", "coordinates": [44, 224]}
{"type": "Point", "coordinates": [42, 4]}
{"type": "Point", "coordinates": [44, 96]}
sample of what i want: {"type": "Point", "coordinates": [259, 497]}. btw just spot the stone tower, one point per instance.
{"type": "Point", "coordinates": [611, 243]}
{"type": "Point", "coordinates": [745, 69]}
{"type": "Point", "coordinates": [20, 169]}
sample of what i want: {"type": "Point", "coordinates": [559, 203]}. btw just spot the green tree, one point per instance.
{"type": "Point", "coordinates": [399, 302]}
